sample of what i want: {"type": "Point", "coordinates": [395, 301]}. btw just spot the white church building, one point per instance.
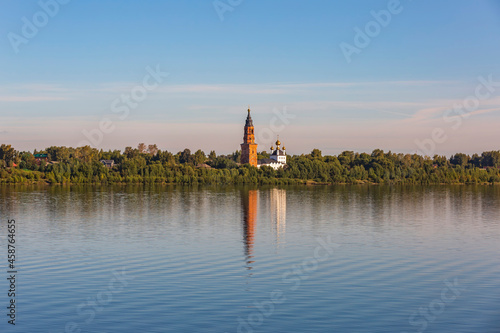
{"type": "Point", "coordinates": [277, 159]}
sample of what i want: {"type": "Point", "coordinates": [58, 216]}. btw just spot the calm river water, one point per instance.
{"type": "Point", "coordinates": [237, 259]}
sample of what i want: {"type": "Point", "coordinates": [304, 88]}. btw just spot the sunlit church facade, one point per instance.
{"type": "Point", "coordinates": [276, 160]}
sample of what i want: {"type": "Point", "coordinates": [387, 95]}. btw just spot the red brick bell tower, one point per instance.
{"type": "Point", "coordinates": [249, 147]}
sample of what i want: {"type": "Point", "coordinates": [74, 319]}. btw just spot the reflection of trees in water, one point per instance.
{"type": "Point", "coordinates": [153, 210]}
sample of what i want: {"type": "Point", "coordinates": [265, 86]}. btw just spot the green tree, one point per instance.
{"type": "Point", "coordinates": [212, 156]}
{"type": "Point", "coordinates": [490, 159]}
{"type": "Point", "coordinates": [460, 159]}
{"type": "Point", "coordinates": [185, 156]}
{"type": "Point", "coordinates": [152, 149]}
{"type": "Point", "coordinates": [199, 157]}
{"type": "Point", "coordinates": [131, 152]}
{"type": "Point", "coordinates": [347, 158]}
{"type": "Point", "coordinates": [86, 153]}
{"type": "Point", "coordinates": [59, 154]}
{"type": "Point", "coordinates": [316, 154]}
{"type": "Point", "coordinates": [141, 147]}
{"type": "Point", "coordinates": [7, 154]}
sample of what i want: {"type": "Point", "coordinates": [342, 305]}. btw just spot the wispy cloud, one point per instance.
{"type": "Point", "coordinates": [52, 92]}
{"type": "Point", "coordinates": [283, 88]}
{"type": "Point", "coordinates": [32, 98]}
{"type": "Point", "coordinates": [34, 92]}
{"type": "Point", "coordinates": [484, 111]}
{"type": "Point", "coordinates": [436, 112]}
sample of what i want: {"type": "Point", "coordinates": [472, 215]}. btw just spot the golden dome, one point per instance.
{"type": "Point", "coordinates": [272, 148]}
{"type": "Point", "coordinates": [284, 148]}
{"type": "Point", "coordinates": [278, 142]}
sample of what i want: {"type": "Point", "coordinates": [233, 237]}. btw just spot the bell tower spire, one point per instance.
{"type": "Point", "coordinates": [249, 121]}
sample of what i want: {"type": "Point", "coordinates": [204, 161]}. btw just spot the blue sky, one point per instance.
{"type": "Point", "coordinates": [276, 56]}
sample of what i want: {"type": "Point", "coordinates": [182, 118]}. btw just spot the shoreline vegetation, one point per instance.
{"type": "Point", "coordinates": [149, 165]}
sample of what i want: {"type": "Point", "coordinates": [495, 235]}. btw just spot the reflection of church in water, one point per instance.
{"type": "Point", "coordinates": [278, 212]}
{"type": "Point", "coordinates": [250, 203]}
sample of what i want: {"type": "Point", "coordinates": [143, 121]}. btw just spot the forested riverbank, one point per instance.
{"type": "Point", "coordinates": [149, 165]}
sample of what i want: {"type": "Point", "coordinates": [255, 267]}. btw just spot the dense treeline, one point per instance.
{"type": "Point", "coordinates": [148, 164]}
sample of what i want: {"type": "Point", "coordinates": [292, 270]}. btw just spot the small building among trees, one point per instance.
{"type": "Point", "coordinates": [108, 163]}
{"type": "Point", "coordinates": [41, 157]}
